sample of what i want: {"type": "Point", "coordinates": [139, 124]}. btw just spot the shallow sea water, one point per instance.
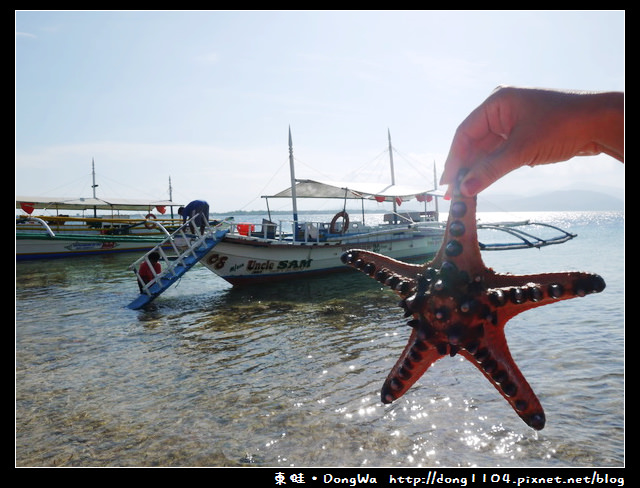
{"type": "Point", "coordinates": [289, 374]}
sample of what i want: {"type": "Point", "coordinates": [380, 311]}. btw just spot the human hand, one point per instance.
{"type": "Point", "coordinates": [514, 127]}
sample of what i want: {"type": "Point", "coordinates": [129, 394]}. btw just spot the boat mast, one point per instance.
{"type": "Point", "coordinates": [171, 196]}
{"type": "Point", "coordinates": [93, 186]}
{"type": "Point", "coordinates": [293, 182]}
{"type": "Point", "coordinates": [435, 185]}
{"type": "Point", "coordinates": [393, 176]}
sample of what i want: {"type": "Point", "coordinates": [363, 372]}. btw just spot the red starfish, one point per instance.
{"type": "Point", "coordinates": [459, 306]}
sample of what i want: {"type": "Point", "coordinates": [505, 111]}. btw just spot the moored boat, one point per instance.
{"type": "Point", "coordinates": [52, 234]}
{"type": "Point", "coordinates": [45, 236]}
{"type": "Point", "coordinates": [294, 248]}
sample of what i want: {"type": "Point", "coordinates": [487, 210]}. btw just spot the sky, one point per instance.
{"type": "Point", "coordinates": [205, 99]}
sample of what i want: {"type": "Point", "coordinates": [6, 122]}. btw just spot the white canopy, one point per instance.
{"type": "Point", "coordinates": [368, 191]}
{"type": "Point", "coordinates": [53, 203]}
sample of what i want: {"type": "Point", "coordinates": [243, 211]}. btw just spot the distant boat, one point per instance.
{"type": "Point", "coordinates": [46, 236]}
{"type": "Point", "coordinates": [42, 236]}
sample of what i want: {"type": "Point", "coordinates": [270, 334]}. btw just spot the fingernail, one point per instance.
{"type": "Point", "coordinates": [470, 187]}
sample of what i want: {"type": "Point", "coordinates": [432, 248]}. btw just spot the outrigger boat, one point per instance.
{"type": "Point", "coordinates": [54, 236]}
{"type": "Point", "coordinates": [61, 235]}
{"type": "Point", "coordinates": [275, 251]}
{"type": "Point", "coordinates": [245, 254]}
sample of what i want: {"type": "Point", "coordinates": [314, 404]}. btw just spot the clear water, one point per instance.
{"type": "Point", "coordinates": [289, 374]}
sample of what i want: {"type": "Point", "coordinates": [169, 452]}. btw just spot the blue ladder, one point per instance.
{"type": "Point", "coordinates": [180, 251]}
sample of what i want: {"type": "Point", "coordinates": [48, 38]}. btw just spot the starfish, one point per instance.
{"type": "Point", "coordinates": [457, 305]}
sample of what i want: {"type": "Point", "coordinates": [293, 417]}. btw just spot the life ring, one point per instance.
{"type": "Point", "coordinates": [345, 223]}
{"type": "Point", "coordinates": [150, 225]}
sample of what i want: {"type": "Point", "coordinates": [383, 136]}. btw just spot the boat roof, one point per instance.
{"type": "Point", "coordinates": [57, 203]}
{"type": "Point", "coordinates": [368, 191]}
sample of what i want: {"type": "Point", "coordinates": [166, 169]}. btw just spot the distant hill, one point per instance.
{"type": "Point", "coordinates": [551, 201]}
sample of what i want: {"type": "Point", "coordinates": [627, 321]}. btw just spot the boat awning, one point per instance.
{"type": "Point", "coordinates": [369, 191]}
{"type": "Point", "coordinates": [27, 203]}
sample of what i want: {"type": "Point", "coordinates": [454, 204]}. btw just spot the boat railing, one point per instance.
{"type": "Point", "coordinates": [44, 231]}
{"type": "Point", "coordinates": [411, 217]}
{"type": "Point", "coordinates": [103, 225]}
{"type": "Point", "coordinates": [309, 232]}
{"type": "Point", "coordinates": [37, 220]}
{"type": "Point", "coordinates": [316, 232]}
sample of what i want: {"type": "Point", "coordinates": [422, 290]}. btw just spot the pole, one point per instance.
{"type": "Point", "coordinates": [293, 184]}
{"type": "Point", "coordinates": [393, 178]}
{"type": "Point", "coordinates": [435, 185]}
{"type": "Point", "coordinates": [171, 196]}
{"type": "Point", "coordinates": [93, 186]}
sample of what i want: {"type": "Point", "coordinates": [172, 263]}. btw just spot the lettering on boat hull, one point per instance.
{"type": "Point", "coordinates": [258, 266]}
{"type": "Point", "coordinates": [91, 246]}
{"type": "Point", "coordinates": [223, 263]}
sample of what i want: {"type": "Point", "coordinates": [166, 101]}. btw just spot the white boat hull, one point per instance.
{"type": "Point", "coordinates": [245, 260]}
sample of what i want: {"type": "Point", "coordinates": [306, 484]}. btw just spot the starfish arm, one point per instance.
{"type": "Point", "coordinates": [460, 244]}
{"type": "Point", "coordinates": [395, 274]}
{"type": "Point", "coordinates": [492, 357]}
{"type": "Point", "coordinates": [513, 294]}
{"type": "Point", "coordinates": [414, 361]}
